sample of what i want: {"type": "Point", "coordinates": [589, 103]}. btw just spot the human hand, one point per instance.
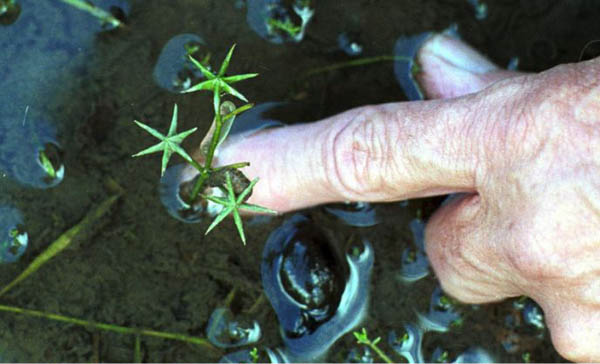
{"type": "Point", "coordinates": [523, 149]}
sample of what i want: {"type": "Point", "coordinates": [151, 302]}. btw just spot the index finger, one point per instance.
{"type": "Point", "coordinates": [378, 153]}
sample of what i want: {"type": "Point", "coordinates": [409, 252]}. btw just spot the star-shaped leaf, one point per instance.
{"type": "Point", "coordinates": [219, 82]}
{"type": "Point", "coordinates": [232, 204]}
{"type": "Point", "coordinates": [168, 144]}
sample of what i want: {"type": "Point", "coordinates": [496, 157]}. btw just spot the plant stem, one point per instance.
{"type": "Point", "coordinates": [379, 352]}
{"type": "Point", "coordinates": [232, 166]}
{"type": "Point", "coordinates": [111, 327]}
{"type": "Point", "coordinates": [217, 134]}
{"type": "Point", "coordinates": [205, 172]}
{"type": "Point", "coordinates": [356, 62]}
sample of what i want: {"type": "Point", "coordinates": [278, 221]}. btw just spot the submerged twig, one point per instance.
{"type": "Point", "coordinates": [110, 327]}
{"type": "Point", "coordinates": [62, 242]}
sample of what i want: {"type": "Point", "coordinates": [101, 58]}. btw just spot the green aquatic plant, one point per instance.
{"type": "Point", "coordinates": [233, 204]}
{"type": "Point", "coordinates": [228, 180]}
{"type": "Point", "coordinates": [254, 355]}
{"type": "Point", "coordinates": [105, 17]}
{"type": "Point", "coordinates": [286, 26]}
{"type": "Point", "coordinates": [168, 143]}
{"type": "Point", "coordinates": [47, 165]}
{"type": "Point", "coordinates": [363, 339]}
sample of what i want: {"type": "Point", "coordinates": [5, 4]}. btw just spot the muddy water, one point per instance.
{"type": "Point", "coordinates": [139, 267]}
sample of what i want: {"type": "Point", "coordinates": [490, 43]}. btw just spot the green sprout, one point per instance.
{"type": "Point", "coordinates": [286, 26]}
{"type": "Point", "coordinates": [362, 338]}
{"type": "Point", "coordinates": [254, 354]}
{"type": "Point", "coordinates": [218, 82]}
{"type": "Point", "coordinates": [47, 165]}
{"type": "Point", "coordinates": [169, 143]}
{"type": "Point", "coordinates": [233, 203]}
{"type": "Point", "coordinates": [442, 357]}
{"type": "Point", "coordinates": [220, 177]}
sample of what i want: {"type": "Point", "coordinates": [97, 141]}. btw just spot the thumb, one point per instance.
{"type": "Point", "coordinates": [575, 330]}
{"type": "Point", "coordinates": [379, 153]}
{"type": "Point", "coordinates": [460, 246]}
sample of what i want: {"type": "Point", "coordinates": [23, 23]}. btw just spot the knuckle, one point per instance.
{"type": "Point", "coordinates": [360, 152]}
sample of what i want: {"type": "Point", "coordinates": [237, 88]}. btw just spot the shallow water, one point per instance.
{"type": "Point", "coordinates": [139, 267]}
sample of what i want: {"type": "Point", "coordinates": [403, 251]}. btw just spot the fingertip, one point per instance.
{"type": "Point", "coordinates": [452, 68]}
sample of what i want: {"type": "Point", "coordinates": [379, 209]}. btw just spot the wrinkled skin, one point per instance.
{"type": "Point", "coordinates": [522, 149]}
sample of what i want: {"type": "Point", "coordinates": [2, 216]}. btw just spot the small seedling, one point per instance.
{"type": "Point", "coordinates": [229, 180]}
{"type": "Point", "coordinates": [363, 339]}
{"type": "Point", "coordinates": [284, 25]}
{"type": "Point", "coordinates": [254, 354]}
{"type": "Point", "coordinates": [442, 357]}
{"type": "Point", "coordinates": [47, 165]}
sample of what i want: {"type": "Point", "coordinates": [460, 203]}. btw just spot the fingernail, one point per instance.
{"type": "Point", "coordinates": [456, 53]}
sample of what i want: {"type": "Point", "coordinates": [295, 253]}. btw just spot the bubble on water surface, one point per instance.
{"type": "Point", "coordinates": [180, 177]}
{"type": "Point", "coordinates": [13, 238]}
{"type": "Point", "coordinates": [174, 71]}
{"type": "Point", "coordinates": [226, 331]}
{"type": "Point", "coordinates": [251, 121]}
{"type": "Point", "coordinates": [29, 151]}
{"type": "Point", "coordinates": [361, 354]}
{"type": "Point", "coordinates": [268, 17]}
{"type": "Point", "coordinates": [359, 214]}
{"type": "Point", "coordinates": [318, 292]}
{"type": "Point", "coordinates": [442, 313]}
{"type": "Point", "coordinates": [480, 8]}
{"type": "Point", "coordinates": [349, 43]}
{"type": "Point", "coordinates": [415, 264]}
{"type": "Point", "coordinates": [475, 355]}
{"type": "Point", "coordinates": [409, 345]}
